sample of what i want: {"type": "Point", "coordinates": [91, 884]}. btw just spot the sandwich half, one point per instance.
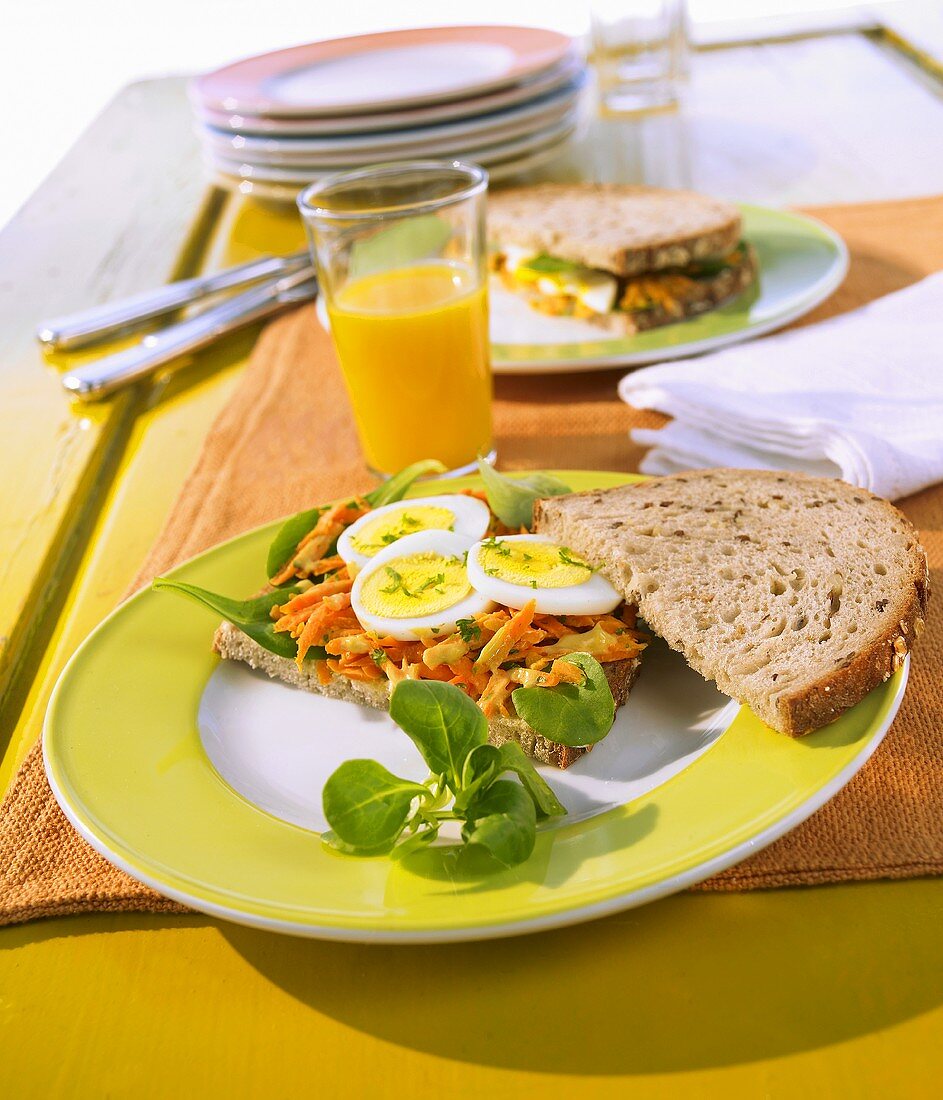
{"type": "Point", "coordinates": [434, 588]}
{"type": "Point", "coordinates": [796, 595]}
{"type": "Point", "coordinates": [626, 258]}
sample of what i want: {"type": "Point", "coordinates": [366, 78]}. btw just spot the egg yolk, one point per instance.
{"type": "Point", "coordinates": [533, 564]}
{"type": "Point", "coordinates": [392, 526]}
{"type": "Point", "coordinates": [415, 585]}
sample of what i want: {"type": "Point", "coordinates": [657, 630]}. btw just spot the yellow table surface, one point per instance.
{"type": "Point", "coordinates": [822, 992]}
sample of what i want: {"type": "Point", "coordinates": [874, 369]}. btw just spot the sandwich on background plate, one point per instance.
{"type": "Point", "coordinates": [626, 258]}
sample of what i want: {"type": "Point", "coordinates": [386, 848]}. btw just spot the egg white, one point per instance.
{"type": "Point", "coordinates": [595, 596]}
{"type": "Point", "coordinates": [409, 629]}
{"type": "Point", "coordinates": [471, 521]}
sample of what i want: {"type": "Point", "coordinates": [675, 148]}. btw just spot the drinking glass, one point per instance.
{"type": "Point", "coordinates": [639, 49]}
{"type": "Point", "coordinates": [400, 253]}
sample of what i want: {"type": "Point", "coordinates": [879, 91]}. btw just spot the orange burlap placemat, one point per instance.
{"type": "Point", "coordinates": [286, 441]}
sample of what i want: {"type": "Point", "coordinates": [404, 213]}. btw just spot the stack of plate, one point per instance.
{"type": "Point", "coordinates": [504, 97]}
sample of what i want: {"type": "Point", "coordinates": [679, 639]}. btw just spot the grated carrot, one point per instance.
{"type": "Point", "coordinates": [496, 651]}
{"type": "Point", "coordinates": [315, 628]}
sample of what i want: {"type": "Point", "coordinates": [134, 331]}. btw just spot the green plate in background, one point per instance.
{"type": "Point", "coordinates": [801, 262]}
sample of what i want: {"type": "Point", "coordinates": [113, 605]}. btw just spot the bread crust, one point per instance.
{"type": "Point", "coordinates": [231, 644]}
{"type": "Point", "coordinates": [843, 687]}
{"type": "Point", "coordinates": [621, 228]}
{"type": "Point", "coordinates": [869, 662]}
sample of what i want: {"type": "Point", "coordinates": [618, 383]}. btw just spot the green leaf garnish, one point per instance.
{"type": "Point", "coordinates": [291, 532]}
{"type": "Point", "coordinates": [416, 842]}
{"type": "Point", "coordinates": [442, 722]}
{"type": "Point", "coordinates": [372, 812]}
{"type": "Point", "coordinates": [502, 818]}
{"type": "Point", "coordinates": [367, 806]}
{"type": "Point", "coordinates": [570, 714]}
{"type": "Point", "coordinates": [512, 758]}
{"type": "Point", "coordinates": [512, 499]}
{"type": "Point", "coordinates": [551, 265]}
{"type": "Point", "coordinates": [396, 487]}
{"type": "Point", "coordinates": [252, 617]}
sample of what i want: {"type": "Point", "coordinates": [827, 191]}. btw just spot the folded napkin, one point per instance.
{"type": "Point", "coordinates": [859, 396]}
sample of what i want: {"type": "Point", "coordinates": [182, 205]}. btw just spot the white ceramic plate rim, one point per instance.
{"type": "Point", "coordinates": [286, 191]}
{"type": "Point", "coordinates": [568, 70]}
{"type": "Point", "coordinates": [523, 67]}
{"type": "Point", "coordinates": [576, 915]}
{"type": "Point", "coordinates": [494, 125]}
{"type": "Point", "coordinates": [264, 168]}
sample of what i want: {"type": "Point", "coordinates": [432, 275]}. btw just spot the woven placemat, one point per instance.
{"type": "Point", "coordinates": [286, 441]}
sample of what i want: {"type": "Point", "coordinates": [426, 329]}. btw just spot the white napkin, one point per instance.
{"type": "Point", "coordinates": [859, 397]}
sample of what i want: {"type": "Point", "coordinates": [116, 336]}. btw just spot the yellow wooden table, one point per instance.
{"type": "Point", "coordinates": [822, 992]}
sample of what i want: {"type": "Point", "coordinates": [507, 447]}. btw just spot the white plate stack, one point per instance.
{"type": "Point", "coordinates": [505, 97]}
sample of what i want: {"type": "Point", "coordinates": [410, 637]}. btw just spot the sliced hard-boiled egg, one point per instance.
{"type": "Point", "coordinates": [514, 256]}
{"type": "Point", "coordinates": [515, 569]}
{"type": "Point", "coordinates": [597, 291]}
{"type": "Point", "coordinates": [417, 586]}
{"type": "Point", "coordinates": [381, 527]}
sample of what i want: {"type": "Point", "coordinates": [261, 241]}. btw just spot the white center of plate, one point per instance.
{"type": "Point", "coordinates": [277, 745]}
{"type": "Point", "coordinates": [391, 74]}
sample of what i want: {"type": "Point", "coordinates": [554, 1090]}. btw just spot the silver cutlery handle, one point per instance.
{"type": "Point", "coordinates": [78, 329]}
{"type": "Point", "coordinates": [111, 372]}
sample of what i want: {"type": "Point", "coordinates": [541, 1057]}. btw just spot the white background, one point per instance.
{"type": "Point", "coordinates": [62, 60]}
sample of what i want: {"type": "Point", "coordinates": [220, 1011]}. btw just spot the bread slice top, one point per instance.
{"type": "Point", "coordinates": [624, 229]}
{"type": "Point", "coordinates": [797, 595]}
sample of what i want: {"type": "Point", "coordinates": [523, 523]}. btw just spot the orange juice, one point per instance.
{"type": "Point", "coordinates": [413, 345]}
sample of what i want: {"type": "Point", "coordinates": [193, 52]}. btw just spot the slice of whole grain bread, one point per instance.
{"type": "Point", "coordinates": [620, 228]}
{"type": "Point", "coordinates": [797, 595]}
{"type": "Point", "coordinates": [233, 645]}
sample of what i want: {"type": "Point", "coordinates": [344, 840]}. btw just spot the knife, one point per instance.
{"type": "Point", "coordinates": [105, 375]}
{"type": "Point", "coordinates": [88, 326]}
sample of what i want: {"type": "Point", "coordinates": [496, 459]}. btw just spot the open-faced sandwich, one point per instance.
{"type": "Point", "coordinates": [374, 590]}
{"type": "Point", "coordinates": [626, 258]}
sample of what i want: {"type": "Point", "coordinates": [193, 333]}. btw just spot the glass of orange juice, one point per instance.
{"type": "Point", "coordinates": [400, 252]}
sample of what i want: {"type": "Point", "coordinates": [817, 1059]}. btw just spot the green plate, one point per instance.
{"type": "Point", "coordinates": [801, 262]}
{"type": "Point", "coordinates": [124, 756]}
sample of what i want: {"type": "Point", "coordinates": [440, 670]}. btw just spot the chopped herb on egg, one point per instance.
{"type": "Point", "coordinates": [567, 558]}
{"type": "Point", "coordinates": [397, 584]}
